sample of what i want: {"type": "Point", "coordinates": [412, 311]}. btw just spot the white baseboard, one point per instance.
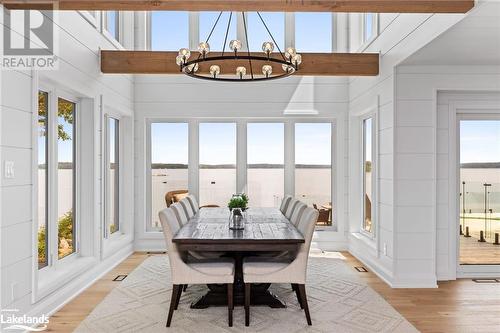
{"type": "Point", "coordinates": [55, 301]}
{"type": "Point", "coordinates": [375, 267]}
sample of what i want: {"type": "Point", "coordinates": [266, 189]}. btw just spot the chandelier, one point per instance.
{"type": "Point", "coordinates": [236, 64]}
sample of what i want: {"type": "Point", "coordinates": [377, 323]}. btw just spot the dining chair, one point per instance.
{"type": "Point", "coordinates": [182, 219]}
{"type": "Point", "coordinates": [276, 270]}
{"type": "Point", "coordinates": [201, 272]}
{"type": "Point", "coordinates": [193, 202]}
{"type": "Point", "coordinates": [297, 213]}
{"type": "Point", "coordinates": [291, 206]}
{"type": "Point", "coordinates": [284, 203]}
{"type": "Point", "coordinates": [180, 213]}
{"type": "Point", "coordinates": [188, 209]}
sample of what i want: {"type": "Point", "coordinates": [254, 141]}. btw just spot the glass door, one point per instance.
{"type": "Point", "coordinates": [479, 191]}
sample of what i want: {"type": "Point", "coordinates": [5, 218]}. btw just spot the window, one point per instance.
{"type": "Point", "coordinates": [216, 42]}
{"type": "Point", "coordinates": [265, 163]}
{"type": "Point", "coordinates": [257, 33]}
{"type": "Point", "coordinates": [368, 177]}
{"type": "Point", "coordinates": [479, 191]}
{"type": "Point", "coordinates": [318, 25]}
{"type": "Point", "coordinates": [217, 149]}
{"type": "Point", "coordinates": [66, 190]}
{"type": "Point", "coordinates": [43, 106]}
{"type": "Point", "coordinates": [112, 23]}
{"type": "Point", "coordinates": [169, 30]}
{"type": "Point", "coordinates": [169, 164]}
{"type": "Point", "coordinates": [369, 26]}
{"type": "Point", "coordinates": [56, 197]}
{"type": "Point", "coordinates": [313, 167]}
{"type": "Point", "coordinates": [113, 176]}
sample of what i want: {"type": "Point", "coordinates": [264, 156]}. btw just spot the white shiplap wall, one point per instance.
{"type": "Point", "coordinates": [78, 73]}
{"type": "Point", "coordinates": [425, 210]}
{"type": "Point", "coordinates": [400, 35]}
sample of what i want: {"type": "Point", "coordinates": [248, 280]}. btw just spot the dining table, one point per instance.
{"type": "Point", "coordinates": [266, 232]}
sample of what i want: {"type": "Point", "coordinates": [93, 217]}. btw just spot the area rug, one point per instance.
{"type": "Point", "coordinates": [338, 302]}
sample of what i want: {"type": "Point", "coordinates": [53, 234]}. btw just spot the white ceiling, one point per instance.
{"type": "Point", "coordinates": [475, 40]}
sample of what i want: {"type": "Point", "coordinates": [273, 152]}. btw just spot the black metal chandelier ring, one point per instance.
{"type": "Point", "coordinates": [289, 60]}
{"type": "Point", "coordinates": [188, 68]}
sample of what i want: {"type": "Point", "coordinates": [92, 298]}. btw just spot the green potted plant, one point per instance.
{"type": "Point", "coordinates": [238, 201]}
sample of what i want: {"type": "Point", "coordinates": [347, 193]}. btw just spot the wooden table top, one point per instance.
{"type": "Point", "coordinates": [265, 229]}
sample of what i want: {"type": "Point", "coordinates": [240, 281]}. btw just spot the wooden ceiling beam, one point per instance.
{"type": "Point", "coordinates": [363, 6]}
{"type": "Point", "coordinates": [318, 64]}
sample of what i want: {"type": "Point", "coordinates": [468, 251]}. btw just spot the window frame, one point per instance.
{"type": "Point", "coordinates": [149, 185]}
{"type": "Point", "coordinates": [264, 121]}
{"type": "Point", "coordinates": [237, 145]}
{"type": "Point", "coordinates": [118, 150]}
{"type": "Point", "coordinates": [53, 262]}
{"type": "Point", "coordinates": [333, 168]}
{"type": "Point", "coordinates": [117, 42]}
{"type": "Point", "coordinates": [365, 43]}
{"type": "Point", "coordinates": [194, 31]}
{"type": "Point", "coordinates": [241, 161]}
{"type": "Point", "coordinates": [374, 167]}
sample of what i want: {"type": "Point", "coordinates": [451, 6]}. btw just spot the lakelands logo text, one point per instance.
{"type": "Point", "coordinates": [29, 39]}
{"type": "Point", "coordinates": [11, 320]}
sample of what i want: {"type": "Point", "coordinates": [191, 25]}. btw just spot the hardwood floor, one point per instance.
{"type": "Point", "coordinates": [456, 306]}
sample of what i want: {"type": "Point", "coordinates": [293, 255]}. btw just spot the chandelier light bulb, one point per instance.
{"type": "Point", "coordinates": [193, 68]}
{"type": "Point", "coordinates": [204, 48]}
{"type": "Point", "coordinates": [185, 53]}
{"type": "Point", "coordinates": [267, 47]}
{"type": "Point", "coordinates": [214, 70]}
{"type": "Point", "coordinates": [241, 71]}
{"type": "Point", "coordinates": [179, 60]}
{"type": "Point", "coordinates": [235, 45]}
{"type": "Point", "coordinates": [290, 52]}
{"type": "Point", "coordinates": [297, 59]}
{"type": "Point", "coordinates": [267, 70]}
{"type": "Point", "coordinates": [287, 68]}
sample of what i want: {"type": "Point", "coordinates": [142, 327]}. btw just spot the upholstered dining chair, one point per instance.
{"type": "Point", "coordinates": [182, 218]}
{"type": "Point", "coordinates": [188, 209]}
{"type": "Point", "coordinates": [202, 272]}
{"type": "Point", "coordinates": [193, 202]}
{"type": "Point", "coordinates": [276, 270]}
{"type": "Point", "coordinates": [284, 203]}
{"type": "Point", "coordinates": [297, 213]}
{"type": "Point", "coordinates": [291, 206]}
{"type": "Point", "coordinates": [180, 213]}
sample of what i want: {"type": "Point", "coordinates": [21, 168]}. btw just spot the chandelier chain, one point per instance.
{"type": "Point", "coordinates": [271, 35]}
{"type": "Point", "coordinates": [227, 32]}
{"type": "Point", "coordinates": [248, 45]}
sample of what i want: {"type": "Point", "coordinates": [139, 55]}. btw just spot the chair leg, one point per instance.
{"type": "Point", "coordinates": [247, 303]}
{"type": "Point", "coordinates": [181, 286]}
{"type": "Point", "coordinates": [230, 305]}
{"type": "Point", "coordinates": [303, 297]}
{"type": "Point", "coordinates": [173, 301]}
{"type": "Point", "coordinates": [296, 289]}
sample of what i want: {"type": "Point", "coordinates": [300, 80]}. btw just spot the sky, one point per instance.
{"type": "Point", "coordinates": [170, 30]}
{"type": "Point", "coordinates": [480, 141]}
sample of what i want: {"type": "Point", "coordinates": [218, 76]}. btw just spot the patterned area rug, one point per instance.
{"type": "Point", "coordinates": [338, 302]}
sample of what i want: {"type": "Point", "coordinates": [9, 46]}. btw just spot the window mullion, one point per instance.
{"type": "Point", "coordinates": [241, 157]}
{"type": "Point", "coordinates": [289, 30]}
{"type": "Point", "coordinates": [194, 30]}
{"type": "Point", "coordinates": [52, 179]}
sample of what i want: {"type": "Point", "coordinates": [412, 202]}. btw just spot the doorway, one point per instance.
{"type": "Point", "coordinates": [479, 189]}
